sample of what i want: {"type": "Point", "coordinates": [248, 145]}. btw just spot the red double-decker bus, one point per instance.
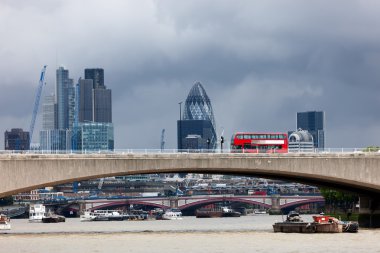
{"type": "Point", "coordinates": [259, 143]}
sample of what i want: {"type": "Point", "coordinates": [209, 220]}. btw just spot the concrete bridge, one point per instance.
{"type": "Point", "coordinates": [356, 172]}
{"type": "Point", "coordinates": [274, 202]}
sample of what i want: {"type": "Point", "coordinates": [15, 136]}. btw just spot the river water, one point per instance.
{"type": "Point", "coordinates": [244, 234]}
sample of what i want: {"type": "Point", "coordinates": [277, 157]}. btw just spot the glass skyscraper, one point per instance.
{"type": "Point", "coordinates": [64, 99]}
{"type": "Point", "coordinates": [85, 100]}
{"type": "Point", "coordinates": [97, 75]}
{"type": "Point", "coordinates": [49, 113]}
{"type": "Point", "coordinates": [314, 122]}
{"type": "Point", "coordinates": [55, 140]}
{"type": "Point", "coordinates": [197, 119]}
{"type": "Point", "coordinates": [99, 95]}
{"type": "Point", "coordinates": [93, 103]}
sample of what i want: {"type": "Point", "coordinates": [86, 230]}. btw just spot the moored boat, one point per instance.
{"type": "Point", "coordinates": [320, 224]}
{"type": "Point", "coordinates": [172, 214]}
{"type": "Point", "coordinates": [102, 215]}
{"type": "Point", "coordinates": [53, 218]}
{"type": "Point", "coordinates": [216, 213]}
{"type": "Point", "coordinates": [37, 212]}
{"type": "Point", "coordinates": [228, 212]}
{"type": "Point", "coordinates": [259, 211]}
{"type": "Point", "coordinates": [5, 222]}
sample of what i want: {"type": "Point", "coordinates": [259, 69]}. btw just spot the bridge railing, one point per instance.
{"type": "Point", "coordinates": [187, 151]}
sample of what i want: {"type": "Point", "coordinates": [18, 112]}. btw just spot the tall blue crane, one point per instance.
{"type": "Point", "coordinates": [36, 104]}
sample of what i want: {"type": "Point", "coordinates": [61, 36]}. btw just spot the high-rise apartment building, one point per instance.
{"type": "Point", "coordinates": [16, 139]}
{"type": "Point", "coordinates": [197, 120]}
{"type": "Point", "coordinates": [314, 123]}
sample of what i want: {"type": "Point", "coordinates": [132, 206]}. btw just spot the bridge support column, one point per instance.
{"type": "Point", "coordinates": [369, 212]}
{"type": "Point", "coordinates": [174, 202]}
{"type": "Point", "coordinates": [275, 209]}
{"type": "Point", "coordinates": [82, 207]}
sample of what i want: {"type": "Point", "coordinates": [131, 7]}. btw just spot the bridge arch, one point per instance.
{"type": "Point", "coordinates": [302, 202]}
{"type": "Point", "coordinates": [129, 202]}
{"type": "Point", "coordinates": [223, 199]}
{"type": "Point", "coordinates": [356, 172]}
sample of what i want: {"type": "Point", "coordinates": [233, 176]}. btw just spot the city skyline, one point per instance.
{"type": "Point", "coordinates": [258, 72]}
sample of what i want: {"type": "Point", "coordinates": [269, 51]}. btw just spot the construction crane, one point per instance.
{"type": "Point", "coordinates": [163, 139]}
{"type": "Point", "coordinates": [36, 104]}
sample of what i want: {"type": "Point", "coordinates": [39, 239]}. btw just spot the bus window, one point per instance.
{"type": "Point", "coordinates": [247, 136]}
{"type": "Point", "coordinates": [239, 136]}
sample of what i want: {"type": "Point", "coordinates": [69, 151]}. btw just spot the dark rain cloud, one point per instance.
{"type": "Point", "coordinates": [259, 61]}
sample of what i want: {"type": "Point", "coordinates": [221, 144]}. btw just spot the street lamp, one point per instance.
{"type": "Point", "coordinates": [180, 123]}
{"type": "Point", "coordinates": [208, 144]}
{"type": "Point", "coordinates": [221, 143]}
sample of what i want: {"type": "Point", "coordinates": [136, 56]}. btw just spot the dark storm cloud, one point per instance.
{"type": "Point", "coordinates": [259, 61]}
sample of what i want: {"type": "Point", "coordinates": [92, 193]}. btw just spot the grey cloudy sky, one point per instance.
{"type": "Point", "coordinates": [259, 61]}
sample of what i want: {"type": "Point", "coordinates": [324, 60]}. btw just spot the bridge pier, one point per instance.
{"type": "Point", "coordinates": [275, 208]}
{"type": "Point", "coordinates": [173, 202]}
{"type": "Point", "coordinates": [82, 207]}
{"type": "Point", "coordinates": [369, 212]}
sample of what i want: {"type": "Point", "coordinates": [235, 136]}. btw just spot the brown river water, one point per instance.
{"type": "Point", "coordinates": [244, 234]}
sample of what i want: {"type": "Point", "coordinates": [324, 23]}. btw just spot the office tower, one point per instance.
{"type": "Point", "coordinates": [49, 120]}
{"type": "Point", "coordinates": [64, 94]}
{"type": "Point", "coordinates": [97, 75]}
{"type": "Point", "coordinates": [16, 139]}
{"type": "Point", "coordinates": [101, 98]}
{"type": "Point", "coordinates": [102, 105]}
{"type": "Point", "coordinates": [55, 140]}
{"type": "Point", "coordinates": [314, 123]}
{"type": "Point", "coordinates": [85, 100]}
{"type": "Point", "coordinates": [197, 120]}
{"type": "Point", "coordinates": [94, 136]}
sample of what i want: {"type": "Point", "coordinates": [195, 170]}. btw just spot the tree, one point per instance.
{"type": "Point", "coordinates": [6, 201]}
{"type": "Point", "coordinates": [371, 149]}
{"type": "Point", "coordinates": [338, 200]}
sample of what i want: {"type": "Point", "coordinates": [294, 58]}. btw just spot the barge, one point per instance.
{"type": "Point", "coordinates": [216, 213]}
{"type": "Point", "coordinates": [320, 224]}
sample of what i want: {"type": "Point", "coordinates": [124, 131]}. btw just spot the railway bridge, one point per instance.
{"type": "Point", "coordinates": [273, 202]}
{"type": "Point", "coordinates": [356, 172]}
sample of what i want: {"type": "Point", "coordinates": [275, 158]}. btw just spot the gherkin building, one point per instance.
{"type": "Point", "coordinates": [197, 129]}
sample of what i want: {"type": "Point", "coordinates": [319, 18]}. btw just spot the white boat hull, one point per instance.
{"type": "Point", "coordinates": [6, 226]}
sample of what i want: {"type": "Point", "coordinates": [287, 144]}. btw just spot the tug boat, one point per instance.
{"type": "Point", "coordinates": [5, 222]}
{"type": "Point", "coordinates": [320, 224]}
